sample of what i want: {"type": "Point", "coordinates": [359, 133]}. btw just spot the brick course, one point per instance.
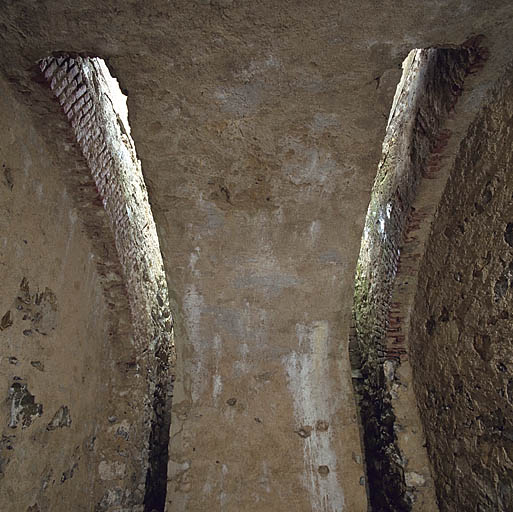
{"type": "Point", "coordinates": [117, 177]}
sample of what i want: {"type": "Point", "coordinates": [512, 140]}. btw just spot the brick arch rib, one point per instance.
{"type": "Point", "coordinates": [82, 89]}
{"type": "Point", "coordinates": [418, 132]}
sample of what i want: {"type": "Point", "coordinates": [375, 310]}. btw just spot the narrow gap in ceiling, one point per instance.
{"type": "Point", "coordinates": [416, 134]}
{"type": "Point", "coordinates": [97, 111]}
{"type": "Point", "coordinates": [384, 475]}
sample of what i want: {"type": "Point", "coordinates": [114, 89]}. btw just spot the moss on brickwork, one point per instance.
{"type": "Point", "coordinates": [424, 98]}
{"type": "Point", "coordinates": [385, 473]}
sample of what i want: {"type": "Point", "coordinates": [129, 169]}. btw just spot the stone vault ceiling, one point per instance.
{"type": "Point", "coordinates": [259, 127]}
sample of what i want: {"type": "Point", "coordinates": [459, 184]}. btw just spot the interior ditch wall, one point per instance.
{"type": "Point", "coordinates": [82, 89]}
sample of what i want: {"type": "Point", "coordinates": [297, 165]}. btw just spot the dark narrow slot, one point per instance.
{"type": "Point", "coordinates": [430, 86]}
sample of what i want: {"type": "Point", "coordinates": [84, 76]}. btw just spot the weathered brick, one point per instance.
{"type": "Point", "coordinates": [69, 96]}
{"type": "Point", "coordinates": [83, 108]}
{"type": "Point", "coordinates": [78, 105]}
{"type": "Point", "coordinates": [51, 69]}
{"type": "Point", "coordinates": [73, 72]}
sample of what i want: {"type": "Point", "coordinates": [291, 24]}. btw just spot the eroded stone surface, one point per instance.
{"type": "Point", "coordinates": [259, 128]}
{"type": "Point", "coordinates": [62, 418]}
{"type": "Point", "coordinates": [461, 324]}
{"type": "Point", "coordinates": [422, 133]}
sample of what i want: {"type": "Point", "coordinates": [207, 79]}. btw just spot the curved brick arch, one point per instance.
{"type": "Point", "coordinates": [83, 92]}
{"type": "Point", "coordinates": [421, 142]}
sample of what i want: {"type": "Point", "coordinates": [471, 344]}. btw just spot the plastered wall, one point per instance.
{"type": "Point", "coordinates": [53, 333]}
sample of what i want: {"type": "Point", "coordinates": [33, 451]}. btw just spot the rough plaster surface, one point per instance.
{"type": "Point", "coordinates": [460, 328]}
{"type": "Point", "coordinates": [259, 128]}
{"type": "Point", "coordinates": [52, 332]}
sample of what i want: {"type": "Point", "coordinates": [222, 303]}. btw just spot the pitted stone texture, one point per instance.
{"type": "Point", "coordinates": [461, 332]}
{"type": "Point", "coordinates": [259, 128]}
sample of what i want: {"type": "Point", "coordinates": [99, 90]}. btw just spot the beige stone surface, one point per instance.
{"type": "Point", "coordinates": [54, 343]}
{"type": "Point", "coordinates": [259, 128]}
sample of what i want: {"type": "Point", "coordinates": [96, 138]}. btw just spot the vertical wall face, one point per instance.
{"type": "Point", "coordinates": [54, 369]}
{"type": "Point", "coordinates": [461, 330]}
{"type": "Point", "coordinates": [397, 463]}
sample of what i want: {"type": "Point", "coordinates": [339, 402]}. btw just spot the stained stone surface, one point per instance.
{"type": "Point", "coordinates": [259, 127]}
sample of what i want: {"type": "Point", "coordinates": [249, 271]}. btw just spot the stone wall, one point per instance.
{"type": "Point", "coordinates": [461, 325]}
{"type": "Point", "coordinates": [83, 90]}
{"type": "Point", "coordinates": [55, 331]}
{"type": "Point", "coordinates": [397, 463]}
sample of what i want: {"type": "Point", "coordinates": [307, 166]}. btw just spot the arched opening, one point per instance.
{"type": "Point", "coordinates": [96, 109]}
{"type": "Point", "coordinates": [398, 468]}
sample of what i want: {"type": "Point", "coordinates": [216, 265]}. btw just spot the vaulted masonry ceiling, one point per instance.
{"type": "Point", "coordinates": [256, 256]}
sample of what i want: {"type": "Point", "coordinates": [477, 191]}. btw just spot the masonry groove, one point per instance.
{"type": "Point", "coordinates": [398, 469]}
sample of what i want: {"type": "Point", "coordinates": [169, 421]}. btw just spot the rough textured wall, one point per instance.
{"type": "Point", "coordinates": [259, 127]}
{"type": "Point", "coordinates": [461, 329]}
{"type": "Point", "coordinates": [83, 88]}
{"type": "Point", "coordinates": [53, 331]}
{"type": "Point", "coordinates": [397, 465]}
{"type": "Point", "coordinates": [92, 362]}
